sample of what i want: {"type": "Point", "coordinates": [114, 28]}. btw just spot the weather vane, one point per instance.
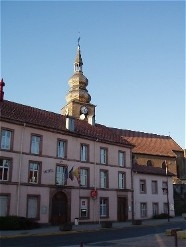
{"type": "Point", "coordinates": [79, 38]}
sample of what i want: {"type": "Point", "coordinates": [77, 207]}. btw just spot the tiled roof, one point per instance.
{"type": "Point", "coordinates": [14, 112]}
{"type": "Point", "coordinates": [142, 143]}
{"type": "Point", "coordinates": [142, 169]}
{"type": "Point", "coordinates": [153, 144]}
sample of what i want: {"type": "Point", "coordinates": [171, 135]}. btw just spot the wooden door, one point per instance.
{"type": "Point", "coordinates": [122, 209]}
{"type": "Point", "coordinates": [59, 209]}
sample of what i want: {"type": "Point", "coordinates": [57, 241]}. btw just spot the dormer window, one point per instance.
{"type": "Point", "coordinates": [149, 163]}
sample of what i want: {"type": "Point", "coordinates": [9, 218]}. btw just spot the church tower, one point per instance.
{"type": "Point", "coordinates": [78, 99]}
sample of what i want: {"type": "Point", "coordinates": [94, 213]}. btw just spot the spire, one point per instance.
{"type": "Point", "coordinates": [78, 99]}
{"type": "Point", "coordinates": [78, 64]}
{"type": "Point", "coordinates": [2, 84]}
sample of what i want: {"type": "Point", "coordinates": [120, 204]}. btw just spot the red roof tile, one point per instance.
{"type": "Point", "coordinates": [146, 143]}
{"type": "Point", "coordinates": [142, 143]}
{"type": "Point", "coordinates": [19, 113]}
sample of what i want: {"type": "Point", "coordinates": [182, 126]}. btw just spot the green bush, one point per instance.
{"type": "Point", "coordinates": [17, 223]}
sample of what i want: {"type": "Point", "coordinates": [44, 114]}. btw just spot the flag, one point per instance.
{"type": "Point", "coordinates": [77, 174]}
{"type": "Point", "coordinates": [71, 174]}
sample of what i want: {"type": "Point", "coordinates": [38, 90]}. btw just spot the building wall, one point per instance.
{"type": "Point", "coordinates": [150, 198]}
{"type": "Point", "coordinates": [157, 161]}
{"type": "Point", "coordinates": [18, 188]}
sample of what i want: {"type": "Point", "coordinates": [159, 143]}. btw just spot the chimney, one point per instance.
{"type": "Point", "coordinates": [2, 84]}
{"type": "Point", "coordinates": [91, 120]}
{"type": "Point", "coordinates": [70, 123]}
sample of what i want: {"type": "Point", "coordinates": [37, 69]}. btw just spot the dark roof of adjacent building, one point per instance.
{"type": "Point", "coordinates": [151, 170]}
{"type": "Point", "coordinates": [34, 117]}
{"type": "Point", "coordinates": [153, 144]}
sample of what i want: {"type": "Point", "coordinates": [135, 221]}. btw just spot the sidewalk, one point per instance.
{"type": "Point", "coordinates": [147, 241]}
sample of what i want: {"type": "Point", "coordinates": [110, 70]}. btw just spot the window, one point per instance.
{"type": "Point", "coordinates": [121, 180]}
{"type": "Point", "coordinates": [61, 148]}
{"type": "Point", "coordinates": [149, 163]}
{"type": "Point", "coordinates": [155, 208]}
{"type": "Point", "coordinates": [4, 202]}
{"type": "Point", "coordinates": [35, 144]}
{"type": "Point", "coordinates": [103, 179]}
{"type": "Point", "coordinates": [164, 187]}
{"type": "Point", "coordinates": [104, 207]}
{"type": "Point", "coordinates": [34, 170]}
{"type": "Point", "coordinates": [61, 175]}
{"type": "Point", "coordinates": [143, 209]}
{"type": "Point", "coordinates": [84, 205]}
{"type": "Point", "coordinates": [84, 152]}
{"type": "Point", "coordinates": [142, 186]}
{"type": "Point", "coordinates": [165, 208]}
{"type": "Point", "coordinates": [163, 165]}
{"type": "Point", "coordinates": [4, 169]}
{"type": "Point", "coordinates": [154, 187]}
{"type": "Point", "coordinates": [103, 155]}
{"type": "Point", "coordinates": [84, 177]}
{"type": "Point", "coordinates": [33, 206]}
{"type": "Point", "coordinates": [121, 158]}
{"type": "Point", "coordinates": [6, 139]}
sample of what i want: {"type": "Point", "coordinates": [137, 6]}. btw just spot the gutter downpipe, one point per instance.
{"type": "Point", "coordinates": [20, 166]}
{"type": "Point", "coordinates": [94, 177]}
{"type": "Point", "coordinates": [132, 187]}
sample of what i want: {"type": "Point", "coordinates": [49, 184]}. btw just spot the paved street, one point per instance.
{"type": "Point", "coordinates": [135, 236]}
{"type": "Point", "coordinates": [157, 240]}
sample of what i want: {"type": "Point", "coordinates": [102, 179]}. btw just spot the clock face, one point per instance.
{"type": "Point", "coordinates": [84, 110]}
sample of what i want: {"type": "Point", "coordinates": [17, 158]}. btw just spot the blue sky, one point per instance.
{"type": "Point", "coordinates": [133, 54]}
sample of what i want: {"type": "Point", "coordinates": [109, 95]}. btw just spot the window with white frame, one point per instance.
{"type": "Point", "coordinates": [84, 152]}
{"type": "Point", "coordinates": [164, 187]}
{"type": "Point", "coordinates": [103, 179]}
{"type": "Point", "coordinates": [61, 148]}
{"type": "Point", "coordinates": [6, 139]}
{"type": "Point", "coordinates": [4, 201]}
{"type": "Point", "coordinates": [165, 208]}
{"type": "Point", "coordinates": [121, 158]}
{"type": "Point", "coordinates": [33, 206]}
{"type": "Point", "coordinates": [154, 187]}
{"type": "Point", "coordinates": [103, 155]}
{"type": "Point", "coordinates": [155, 208]}
{"type": "Point", "coordinates": [121, 180]}
{"type": "Point", "coordinates": [34, 169]}
{"type": "Point", "coordinates": [61, 175]}
{"type": "Point", "coordinates": [143, 209]}
{"type": "Point", "coordinates": [84, 177]}
{"type": "Point", "coordinates": [4, 169]}
{"type": "Point", "coordinates": [35, 144]}
{"type": "Point", "coordinates": [84, 207]}
{"type": "Point", "coordinates": [143, 186]}
{"type": "Point", "coordinates": [103, 207]}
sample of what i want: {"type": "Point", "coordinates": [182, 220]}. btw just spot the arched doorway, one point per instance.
{"type": "Point", "coordinates": [59, 208]}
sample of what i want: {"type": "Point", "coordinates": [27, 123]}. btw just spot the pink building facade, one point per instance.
{"type": "Point", "coordinates": [55, 175]}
